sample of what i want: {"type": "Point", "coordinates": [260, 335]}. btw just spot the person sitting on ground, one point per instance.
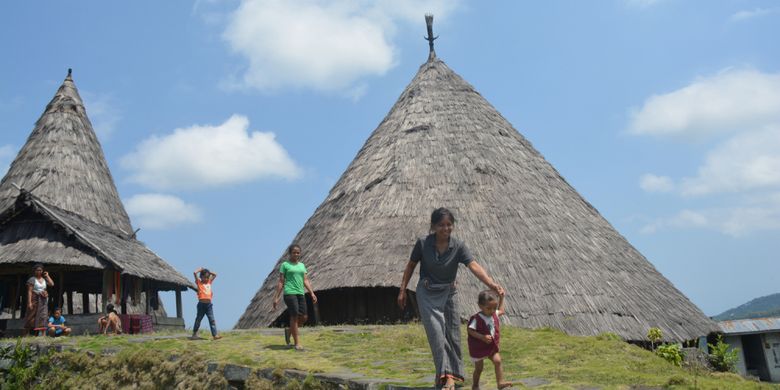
{"type": "Point", "coordinates": [484, 335]}
{"type": "Point", "coordinates": [57, 324]}
{"type": "Point", "coordinates": [203, 279]}
{"type": "Point", "coordinates": [110, 321]}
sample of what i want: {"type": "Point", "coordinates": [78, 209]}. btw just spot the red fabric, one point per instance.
{"type": "Point", "coordinates": [478, 348]}
{"type": "Point", "coordinates": [136, 323]}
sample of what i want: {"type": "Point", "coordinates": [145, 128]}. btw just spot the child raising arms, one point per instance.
{"type": "Point", "coordinates": [484, 335]}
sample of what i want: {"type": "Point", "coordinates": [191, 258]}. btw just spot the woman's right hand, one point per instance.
{"type": "Point", "coordinates": [402, 299]}
{"type": "Point", "coordinates": [276, 302]}
{"type": "Point", "coordinates": [29, 306]}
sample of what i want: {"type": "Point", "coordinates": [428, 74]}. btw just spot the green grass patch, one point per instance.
{"type": "Point", "coordinates": [400, 352]}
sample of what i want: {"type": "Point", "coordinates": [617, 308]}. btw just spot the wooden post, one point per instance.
{"type": "Point", "coordinates": [146, 296]}
{"type": "Point", "coordinates": [85, 302]}
{"type": "Point", "coordinates": [69, 296]}
{"type": "Point", "coordinates": [121, 294]}
{"type": "Point", "coordinates": [108, 282]}
{"type": "Point", "coordinates": [178, 305]}
{"type": "Point", "coordinates": [16, 293]}
{"type": "Point", "coordinates": [60, 288]}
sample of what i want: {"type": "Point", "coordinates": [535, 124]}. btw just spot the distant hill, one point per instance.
{"type": "Point", "coordinates": [768, 306]}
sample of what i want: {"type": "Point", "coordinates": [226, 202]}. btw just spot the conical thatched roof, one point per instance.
{"type": "Point", "coordinates": [64, 162]}
{"type": "Point", "coordinates": [443, 144]}
{"type": "Point", "coordinates": [66, 210]}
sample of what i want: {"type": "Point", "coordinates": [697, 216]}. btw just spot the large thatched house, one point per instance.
{"type": "Point", "coordinates": [443, 144]}
{"type": "Point", "coordinates": [59, 207]}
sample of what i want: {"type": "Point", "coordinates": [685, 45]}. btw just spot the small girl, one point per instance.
{"type": "Point", "coordinates": [110, 321]}
{"type": "Point", "coordinates": [484, 335]}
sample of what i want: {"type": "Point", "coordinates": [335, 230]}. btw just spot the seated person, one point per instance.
{"type": "Point", "coordinates": [57, 324]}
{"type": "Point", "coordinates": [110, 321]}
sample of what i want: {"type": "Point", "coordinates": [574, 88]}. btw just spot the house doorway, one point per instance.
{"type": "Point", "coordinates": [755, 359]}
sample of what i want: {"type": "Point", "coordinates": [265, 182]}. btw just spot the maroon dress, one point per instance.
{"type": "Point", "coordinates": [479, 349]}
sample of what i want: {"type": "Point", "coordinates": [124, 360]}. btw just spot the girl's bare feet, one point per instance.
{"type": "Point", "coordinates": [504, 385]}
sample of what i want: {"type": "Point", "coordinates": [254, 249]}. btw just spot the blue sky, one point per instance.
{"type": "Point", "coordinates": [225, 123]}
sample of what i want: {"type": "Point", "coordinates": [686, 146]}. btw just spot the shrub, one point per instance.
{"type": "Point", "coordinates": [655, 336]}
{"type": "Point", "coordinates": [671, 352]}
{"type": "Point", "coordinates": [722, 357]}
{"type": "Point", "coordinates": [25, 366]}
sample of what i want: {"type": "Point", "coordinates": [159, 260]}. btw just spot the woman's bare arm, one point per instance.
{"type": "Point", "coordinates": [408, 271]}
{"type": "Point", "coordinates": [483, 276]}
{"type": "Point", "coordinates": [279, 287]}
{"type": "Point", "coordinates": [307, 284]}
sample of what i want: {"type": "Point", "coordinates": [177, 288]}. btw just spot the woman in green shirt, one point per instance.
{"type": "Point", "coordinates": [294, 281]}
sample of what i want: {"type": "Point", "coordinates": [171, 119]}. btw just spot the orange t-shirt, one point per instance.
{"type": "Point", "coordinates": [204, 289]}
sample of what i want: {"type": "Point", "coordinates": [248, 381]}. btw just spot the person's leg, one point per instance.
{"type": "Point", "coordinates": [212, 322]}
{"type": "Point", "coordinates": [477, 374]}
{"type": "Point", "coordinates": [303, 314]}
{"type": "Point", "coordinates": [433, 323]}
{"type": "Point", "coordinates": [66, 331]}
{"type": "Point", "coordinates": [294, 329]}
{"type": "Point", "coordinates": [52, 331]}
{"type": "Point", "coordinates": [496, 359]}
{"type": "Point", "coordinates": [198, 317]}
{"type": "Point", "coordinates": [454, 359]}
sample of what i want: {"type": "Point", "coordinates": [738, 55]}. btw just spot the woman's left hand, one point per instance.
{"type": "Point", "coordinates": [313, 298]}
{"type": "Point", "coordinates": [498, 289]}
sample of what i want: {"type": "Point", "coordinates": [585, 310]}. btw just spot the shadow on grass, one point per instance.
{"type": "Point", "coordinates": [278, 347]}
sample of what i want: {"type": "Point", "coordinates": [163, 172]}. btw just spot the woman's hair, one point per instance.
{"type": "Point", "coordinates": [439, 214]}
{"type": "Point", "coordinates": [485, 297]}
{"type": "Point", "coordinates": [204, 272]}
{"type": "Point", "coordinates": [36, 266]}
{"type": "Point", "coordinates": [291, 247]}
{"type": "Point", "coordinates": [110, 308]}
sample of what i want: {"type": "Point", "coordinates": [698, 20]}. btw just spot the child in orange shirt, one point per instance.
{"type": "Point", "coordinates": [204, 301]}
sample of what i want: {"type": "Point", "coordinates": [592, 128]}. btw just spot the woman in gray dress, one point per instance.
{"type": "Point", "coordinates": [439, 255]}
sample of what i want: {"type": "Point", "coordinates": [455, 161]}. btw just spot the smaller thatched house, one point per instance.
{"type": "Point", "coordinates": [59, 207]}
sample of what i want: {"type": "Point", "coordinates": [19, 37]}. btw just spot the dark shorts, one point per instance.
{"type": "Point", "coordinates": [296, 304]}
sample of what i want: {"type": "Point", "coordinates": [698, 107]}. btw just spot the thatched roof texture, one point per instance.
{"type": "Point", "coordinates": [66, 210]}
{"type": "Point", "coordinates": [442, 144]}
{"type": "Point", "coordinates": [64, 162]}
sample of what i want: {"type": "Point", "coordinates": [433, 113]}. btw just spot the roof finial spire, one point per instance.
{"type": "Point", "coordinates": [69, 74]}
{"type": "Point", "coordinates": [430, 38]}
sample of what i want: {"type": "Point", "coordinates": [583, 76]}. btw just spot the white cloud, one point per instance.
{"type": "Point", "coordinates": [653, 183]}
{"type": "Point", "coordinates": [746, 162]}
{"type": "Point", "coordinates": [208, 156]}
{"type": "Point", "coordinates": [733, 100]}
{"type": "Point", "coordinates": [160, 211]}
{"type": "Point", "coordinates": [757, 213]}
{"type": "Point", "coordinates": [744, 15]}
{"type": "Point", "coordinates": [102, 112]}
{"type": "Point", "coordinates": [6, 155]}
{"type": "Point", "coordinates": [322, 45]}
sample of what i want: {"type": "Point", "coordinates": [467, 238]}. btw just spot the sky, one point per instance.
{"type": "Point", "coordinates": [225, 123]}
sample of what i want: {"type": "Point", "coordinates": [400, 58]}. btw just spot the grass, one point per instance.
{"type": "Point", "coordinates": [400, 352]}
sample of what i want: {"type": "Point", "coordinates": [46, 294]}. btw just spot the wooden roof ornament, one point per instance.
{"type": "Point", "coordinates": [71, 213]}
{"type": "Point", "coordinates": [442, 144]}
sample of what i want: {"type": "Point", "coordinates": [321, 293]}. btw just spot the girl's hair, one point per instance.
{"type": "Point", "coordinates": [110, 308]}
{"type": "Point", "coordinates": [291, 247]}
{"type": "Point", "coordinates": [56, 309]}
{"type": "Point", "coordinates": [439, 214]}
{"type": "Point", "coordinates": [204, 272]}
{"type": "Point", "coordinates": [485, 297]}
{"type": "Point", "coordinates": [37, 265]}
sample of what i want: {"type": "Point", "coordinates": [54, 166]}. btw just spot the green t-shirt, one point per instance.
{"type": "Point", "coordinates": [293, 278]}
